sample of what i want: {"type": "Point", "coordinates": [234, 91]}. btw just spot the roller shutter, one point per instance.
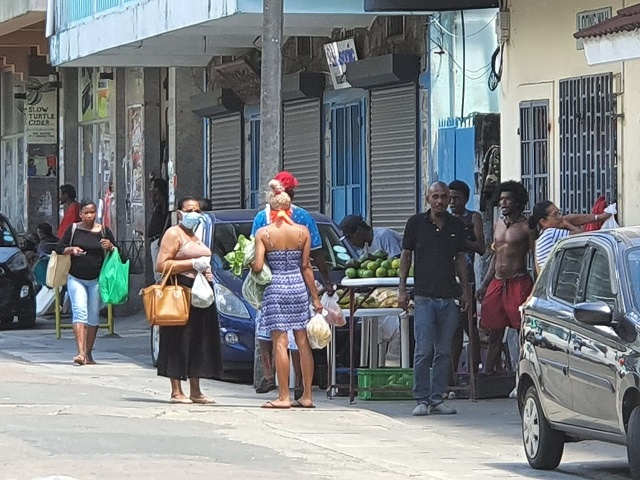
{"type": "Point", "coordinates": [225, 162]}
{"type": "Point", "coordinates": [302, 150]}
{"type": "Point", "coordinates": [393, 156]}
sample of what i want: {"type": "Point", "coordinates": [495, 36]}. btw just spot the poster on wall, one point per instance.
{"type": "Point", "coordinates": [339, 54]}
{"type": "Point", "coordinates": [41, 111]}
{"type": "Point", "coordinates": [103, 98]}
{"type": "Point", "coordinates": [86, 91]}
{"type": "Point", "coordinates": [136, 153]}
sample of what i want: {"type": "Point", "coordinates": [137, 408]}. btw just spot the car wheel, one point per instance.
{"type": "Point", "coordinates": [27, 320]}
{"type": "Point", "coordinates": [633, 443]}
{"type": "Point", "coordinates": [542, 445]}
{"type": "Point", "coordinates": [155, 344]}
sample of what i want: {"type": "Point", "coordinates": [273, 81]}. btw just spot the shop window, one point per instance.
{"type": "Point", "coordinates": [394, 26]}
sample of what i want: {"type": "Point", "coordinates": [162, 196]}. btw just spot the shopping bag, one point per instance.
{"type": "Point", "coordinates": [332, 312]}
{"type": "Point", "coordinates": [167, 305]}
{"type": "Point", "coordinates": [252, 290]}
{"type": "Point", "coordinates": [58, 270]}
{"type": "Point", "coordinates": [318, 332]}
{"type": "Point", "coordinates": [40, 270]}
{"type": "Point", "coordinates": [201, 292]}
{"type": "Point", "coordinates": [114, 279]}
{"type": "Point", "coordinates": [611, 221]}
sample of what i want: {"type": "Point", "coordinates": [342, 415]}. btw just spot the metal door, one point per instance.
{"type": "Point", "coordinates": [225, 161]}
{"type": "Point", "coordinates": [302, 149]}
{"type": "Point", "coordinates": [394, 157]}
{"type": "Point", "coordinates": [534, 150]}
{"type": "Point", "coordinates": [588, 142]}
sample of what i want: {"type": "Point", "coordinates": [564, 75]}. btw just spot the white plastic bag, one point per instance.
{"type": "Point", "coordinates": [252, 291]}
{"type": "Point", "coordinates": [332, 312]}
{"type": "Point", "coordinates": [611, 221]}
{"type": "Point", "coordinates": [319, 332]}
{"type": "Point", "coordinates": [201, 292]}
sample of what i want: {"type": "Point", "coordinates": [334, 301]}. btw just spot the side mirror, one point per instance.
{"type": "Point", "coordinates": [593, 313]}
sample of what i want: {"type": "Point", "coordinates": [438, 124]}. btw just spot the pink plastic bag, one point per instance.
{"type": "Point", "coordinates": [332, 312]}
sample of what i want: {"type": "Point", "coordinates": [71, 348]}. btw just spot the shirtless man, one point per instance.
{"type": "Point", "coordinates": [507, 284]}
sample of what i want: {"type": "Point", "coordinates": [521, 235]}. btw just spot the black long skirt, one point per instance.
{"type": "Point", "coordinates": [192, 351]}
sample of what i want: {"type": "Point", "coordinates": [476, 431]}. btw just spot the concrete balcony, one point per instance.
{"type": "Point", "coordinates": [17, 14]}
{"type": "Point", "coordinates": [157, 33]}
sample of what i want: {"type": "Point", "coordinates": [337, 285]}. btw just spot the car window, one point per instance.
{"type": "Point", "coordinates": [632, 266]}
{"type": "Point", "coordinates": [599, 281]}
{"type": "Point", "coordinates": [335, 252]}
{"type": "Point", "coordinates": [568, 274]}
{"type": "Point", "coordinates": [6, 237]}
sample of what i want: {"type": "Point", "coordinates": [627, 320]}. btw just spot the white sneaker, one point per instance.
{"type": "Point", "coordinates": [421, 410]}
{"type": "Point", "coordinates": [442, 409]}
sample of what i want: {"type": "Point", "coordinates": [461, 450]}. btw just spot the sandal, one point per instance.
{"type": "Point", "coordinates": [79, 360]}
{"type": "Point", "coordinates": [202, 400]}
{"type": "Point", "coordinates": [275, 406]}
{"type": "Point", "coordinates": [181, 400]}
{"type": "Point", "coordinates": [302, 405]}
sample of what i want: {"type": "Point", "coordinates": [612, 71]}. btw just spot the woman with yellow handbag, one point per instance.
{"type": "Point", "coordinates": [192, 351]}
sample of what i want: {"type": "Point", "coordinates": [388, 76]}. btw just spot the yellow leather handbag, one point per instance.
{"type": "Point", "coordinates": [167, 304]}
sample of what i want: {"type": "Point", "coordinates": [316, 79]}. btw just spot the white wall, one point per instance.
{"type": "Point", "coordinates": [540, 52]}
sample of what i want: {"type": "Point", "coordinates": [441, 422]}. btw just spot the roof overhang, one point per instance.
{"type": "Point", "coordinates": [18, 14]}
{"type": "Point", "coordinates": [427, 5]}
{"type": "Point", "coordinates": [193, 37]}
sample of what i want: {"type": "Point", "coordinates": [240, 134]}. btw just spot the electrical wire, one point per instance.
{"type": "Point", "coordinates": [444, 30]}
{"type": "Point", "coordinates": [483, 68]}
{"type": "Point", "coordinates": [496, 72]}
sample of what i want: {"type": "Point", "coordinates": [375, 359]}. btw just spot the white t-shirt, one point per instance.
{"type": "Point", "coordinates": [384, 239]}
{"type": "Point", "coordinates": [545, 243]}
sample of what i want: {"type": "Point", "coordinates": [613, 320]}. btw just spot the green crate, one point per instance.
{"type": "Point", "coordinates": [390, 383]}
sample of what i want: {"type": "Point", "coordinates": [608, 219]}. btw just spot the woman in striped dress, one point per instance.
{"type": "Point", "coordinates": [286, 246]}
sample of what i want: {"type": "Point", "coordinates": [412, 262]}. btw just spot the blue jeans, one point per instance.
{"type": "Point", "coordinates": [85, 300]}
{"type": "Point", "coordinates": [435, 323]}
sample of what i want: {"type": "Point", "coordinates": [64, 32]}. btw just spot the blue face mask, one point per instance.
{"type": "Point", "coordinates": [191, 220]}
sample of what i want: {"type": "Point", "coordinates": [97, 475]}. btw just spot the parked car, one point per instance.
{"type": "Point", "coordinates": [237, 317]}
{"type": "Point", "coordinates": [17, 285]}
{"type": "Point", "coordinates": [579, 368]}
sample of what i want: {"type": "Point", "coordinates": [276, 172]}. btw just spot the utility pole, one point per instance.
{"type": "Point", "coordinates": [270, 125]}
{"type": "Point", "coordinates": [271, 93]}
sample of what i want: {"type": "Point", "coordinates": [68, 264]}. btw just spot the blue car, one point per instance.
{"type": "Point", "coordinates": [237, 317]}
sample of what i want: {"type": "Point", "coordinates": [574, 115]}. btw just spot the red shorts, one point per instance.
{"type": "Point", "coordinates": [501, 304]}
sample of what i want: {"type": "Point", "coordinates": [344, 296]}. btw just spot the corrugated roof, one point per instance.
{"type": "Point", "coordinates": [626, 20]}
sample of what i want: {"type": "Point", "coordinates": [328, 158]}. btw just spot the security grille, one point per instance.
{"type": "Point", "coordinates": [225, 162]}
{"type": "Point", "coordinates": [534, 150]}
{"type": "Point", "coordinates": [588, 142]}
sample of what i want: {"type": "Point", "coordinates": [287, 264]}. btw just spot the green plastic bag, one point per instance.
{"type": "Point", "coordinates": [114, 279]}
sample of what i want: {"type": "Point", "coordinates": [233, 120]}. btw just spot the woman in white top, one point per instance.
{"type": "Point", "coordinates": [553, 226]}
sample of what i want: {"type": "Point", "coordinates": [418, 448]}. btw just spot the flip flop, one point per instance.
{"type": "Point", "coordinates": [276, 407]}
{"type": "Point", "coordinates": [203, 400]}
{"type": "Point", "coordinates": [181, 401]}
{"type": "Point", "coordinates": [79, 360]}
{"type": "Point", "coordinates": [301, 405]}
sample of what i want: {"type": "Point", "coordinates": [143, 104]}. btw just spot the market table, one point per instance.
{"type": "Point", "coordinates": [367, 286]}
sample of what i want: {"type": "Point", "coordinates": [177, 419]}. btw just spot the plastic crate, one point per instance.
{"type": "Point", "coordinates": [388, 383]}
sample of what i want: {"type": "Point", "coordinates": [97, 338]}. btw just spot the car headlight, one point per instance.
{"type": "Point", "coordinates": [18, 262]}
{"type": "Point", "coordinates": [228, 302]}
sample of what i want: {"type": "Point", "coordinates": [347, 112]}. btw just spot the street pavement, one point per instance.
{"type": "Point", "coordinates": [112, 421]}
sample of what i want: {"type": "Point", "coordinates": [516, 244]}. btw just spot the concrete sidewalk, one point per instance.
{"type": "Point", "coordinates": [112, 421]}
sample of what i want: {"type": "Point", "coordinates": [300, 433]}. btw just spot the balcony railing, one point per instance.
{"type": "Point", "coordinates": [69, 12]}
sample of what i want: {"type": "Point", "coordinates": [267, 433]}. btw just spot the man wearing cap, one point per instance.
{"type": "Point", "coordinates": [301, 217]}
{"type": "Point", "coordinates": [367, 239]}
{"type": "Point", "coordinates": [370, 239]}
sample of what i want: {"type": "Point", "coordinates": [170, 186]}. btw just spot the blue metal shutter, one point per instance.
{"type": "Point", "coordinates": [302, 151]}
{"type": "Point", "coordinates": [225, 161]}
{"type": "Point", "coordinates": [394, 156]}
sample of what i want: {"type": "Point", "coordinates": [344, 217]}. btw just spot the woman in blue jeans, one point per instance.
{"type": "Point", "coordinates": [87, 242]}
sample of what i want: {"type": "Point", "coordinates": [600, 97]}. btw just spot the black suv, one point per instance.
{"type": "Point", "coordinates": [17, 289]}
{"type": "Point", "coordinates": [579, 376]}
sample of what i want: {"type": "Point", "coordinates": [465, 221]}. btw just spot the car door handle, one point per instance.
{"type": "Point", "coordinates": [535, 339]}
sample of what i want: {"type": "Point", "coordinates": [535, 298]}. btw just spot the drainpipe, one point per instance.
{"type": "Point", "coordinates": [51, 17]}
{"type": "Point", "coordinates": [271, 92]}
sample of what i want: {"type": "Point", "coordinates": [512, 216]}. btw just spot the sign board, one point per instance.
{"type": "Point", "coordinates": [41, 112]}
{"type": "Point", "coordinates": [339, 54]}
{"type": "Point", "coordinates": [589, 18]}
{"type": "Point", "coordinates": [426, 5]}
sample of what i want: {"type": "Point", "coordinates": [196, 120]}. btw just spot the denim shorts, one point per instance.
{"type": "Point", "coordinates": [85, 300]}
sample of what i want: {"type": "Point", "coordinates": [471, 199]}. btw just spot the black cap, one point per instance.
{"type": "Point", "coordinates": [350, 224]}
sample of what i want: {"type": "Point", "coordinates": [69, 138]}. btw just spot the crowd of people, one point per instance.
{"type": "Point", "coordinates": [442, 244]}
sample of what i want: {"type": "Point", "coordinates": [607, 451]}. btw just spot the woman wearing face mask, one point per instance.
{"type": "Point", "coordinates": [193, 351]}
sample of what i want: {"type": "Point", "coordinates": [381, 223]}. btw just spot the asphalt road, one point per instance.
{"type": "Point", "coordinates": [112, 421]}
